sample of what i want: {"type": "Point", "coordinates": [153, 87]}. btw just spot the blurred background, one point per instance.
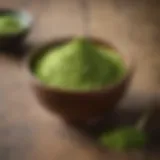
{"type": "Point", "coordinates": [27, 131]}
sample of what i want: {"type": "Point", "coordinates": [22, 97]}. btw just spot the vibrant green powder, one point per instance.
{"type": "Point", "coordinates": [9, 24]}
{"type": "Point", "coordinates": [124, 139]}
{"type": "Point", "coordinates": [80, 65]}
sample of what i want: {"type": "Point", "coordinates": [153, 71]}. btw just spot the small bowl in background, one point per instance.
{"type": "Point", "coordinates": [78, 106]}
{"type": "Point", "coordinates": [13, 40]}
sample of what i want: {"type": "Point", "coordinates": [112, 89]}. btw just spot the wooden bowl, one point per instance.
{"type": "Point", "coordinates": [78, 106]}
{"type": "Point", "coordinates": [12, 40]}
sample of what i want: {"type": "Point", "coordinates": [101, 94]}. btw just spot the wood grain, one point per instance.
{"type": "Point", "coordinates": [133, 27]}
{"type": "Point", "coordinates": [57, 19]}
{"type": "Point", "coordinates": [27, 130]}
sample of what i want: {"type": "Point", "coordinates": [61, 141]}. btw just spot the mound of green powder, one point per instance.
{"type": "Point", "coordinates": [124, 138]}
{"type": "Point", "coordinates": [80, 65]}
{"type": "Point", "coordinates": [9, 24]}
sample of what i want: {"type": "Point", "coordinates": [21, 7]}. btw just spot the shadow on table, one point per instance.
{"type": "Point", "coordinates": [125, 117]}
{"type": "Point", "coordinates": [17, 52]}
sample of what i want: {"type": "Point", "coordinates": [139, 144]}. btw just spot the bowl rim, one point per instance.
{"type": "Point", "coordinates": [17, 12]}
{"type": "Point", "coordinates": [55, 42]}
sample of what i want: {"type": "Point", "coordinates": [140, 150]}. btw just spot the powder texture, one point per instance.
{"type": "Point", "coordinates": [80, 65]}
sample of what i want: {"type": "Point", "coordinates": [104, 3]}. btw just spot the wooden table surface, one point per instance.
{"type": "Point", "coordinates": [27, 130]}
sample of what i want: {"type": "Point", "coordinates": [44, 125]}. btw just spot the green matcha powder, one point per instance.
{"type": "Point", "coordinates": [9, 24]}
{"type": "Point", "coordinates": [80, 65]}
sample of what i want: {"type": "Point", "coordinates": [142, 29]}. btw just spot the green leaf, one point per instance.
{"type": "Point", "coordinates": [124, 138]}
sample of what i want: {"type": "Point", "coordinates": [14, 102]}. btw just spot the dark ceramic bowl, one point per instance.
{"type": "Point", "coordinates": [12, 40]}
{"type": "Point", "coordinates": [78, 106]}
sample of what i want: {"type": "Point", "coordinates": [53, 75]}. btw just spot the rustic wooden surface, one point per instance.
{"type": "Point", "coordinates": [27, 130]}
